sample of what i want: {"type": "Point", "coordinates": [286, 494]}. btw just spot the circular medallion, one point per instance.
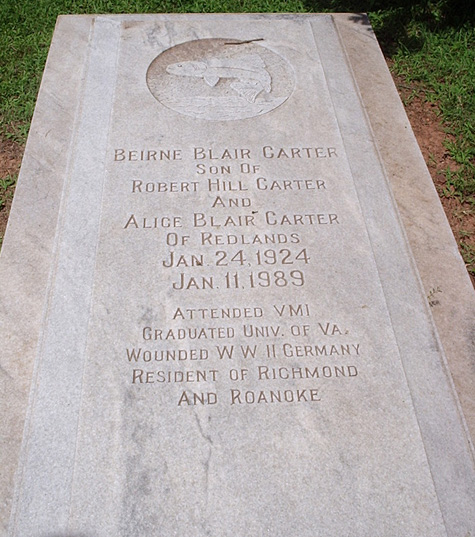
{"type": "Point", "coordinates": [220, 79]}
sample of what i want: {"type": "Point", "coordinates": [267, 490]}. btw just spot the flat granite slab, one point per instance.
{"type": "Point", "coordinates": [214, 323]}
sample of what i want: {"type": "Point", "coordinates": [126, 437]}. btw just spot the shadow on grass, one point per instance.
{"type": "Point", "coordinates": [400, 22]}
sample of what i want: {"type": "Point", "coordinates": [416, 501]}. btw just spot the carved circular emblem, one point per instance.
{"type": "Point", "coordinates": [220, 79]}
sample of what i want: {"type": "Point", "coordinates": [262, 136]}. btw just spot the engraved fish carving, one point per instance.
{"type": "Point", "coordinates": [249, 71]}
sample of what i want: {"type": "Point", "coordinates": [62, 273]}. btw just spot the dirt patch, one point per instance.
{"type": "Point", "coordinates": [10, 159]}
{"type": "Point", "coordinates": [430, 137]}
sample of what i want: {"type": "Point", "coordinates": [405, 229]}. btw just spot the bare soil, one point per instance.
{"type": "Point", "coordinates": [429, 133]}
{"type": "Point", "coordinates": [431, 136]}
{"type": "Point", "coordinates": [10, 159]}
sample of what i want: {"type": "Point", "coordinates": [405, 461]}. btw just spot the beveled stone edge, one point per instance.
{"type": "Point", "coordinates": [430, 237]}
{"type": "Point", "coordinates": [46, 468]}
{"type": "Point", "coordinates": [28, 260]}
{"type": "Point", "coordinates": [443, 427]}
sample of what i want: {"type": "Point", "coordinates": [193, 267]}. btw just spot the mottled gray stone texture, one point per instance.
{"type": "Point", "coordinates": [216, 319]}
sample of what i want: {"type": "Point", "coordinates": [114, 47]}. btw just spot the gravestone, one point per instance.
{"type": "Point", "coordinates": [213, 322]}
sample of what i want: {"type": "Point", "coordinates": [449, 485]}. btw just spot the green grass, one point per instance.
{"type": "Point", "coordinates": [7, 187]}
{"type": "Point", "coordinates": [468, 252]}
{"type": "Point", "coordinates": [6, 192]}
{"type": "Point", "coordinates": [444, 70]}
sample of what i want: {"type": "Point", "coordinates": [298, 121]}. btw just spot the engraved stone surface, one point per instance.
{"type": "Point", "coordinates": [215, 325]}
{"type": "Point", "coordinates": [220, 79]}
